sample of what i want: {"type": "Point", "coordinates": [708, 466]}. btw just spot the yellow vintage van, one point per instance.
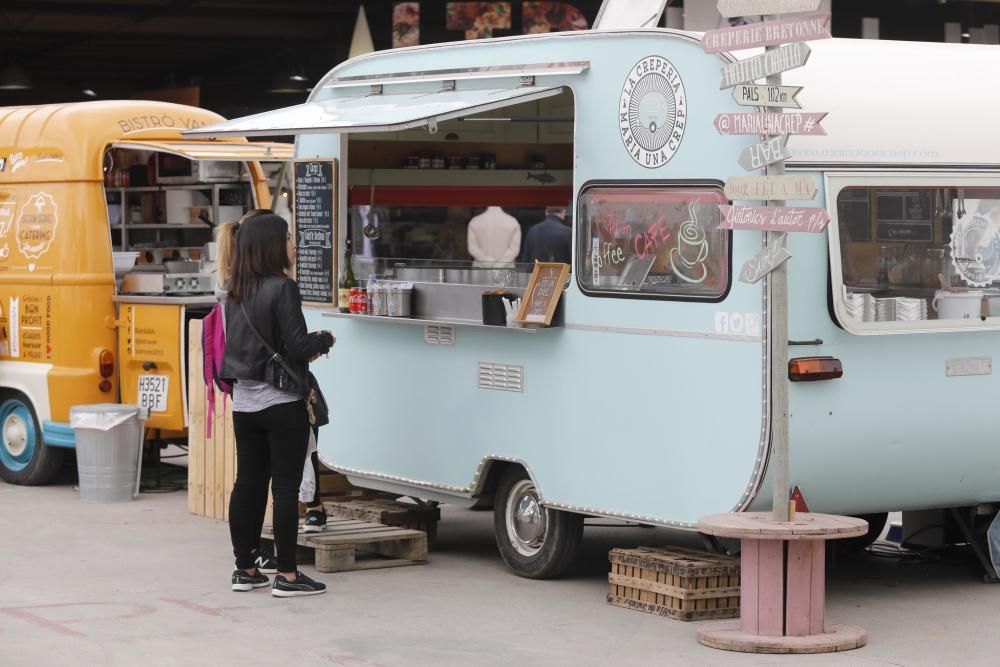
{"type": "Point", "coordinates": [106, 228]}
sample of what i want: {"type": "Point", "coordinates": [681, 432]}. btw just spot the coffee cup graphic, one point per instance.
{"type": "Point", "coordinates": [688, 258]}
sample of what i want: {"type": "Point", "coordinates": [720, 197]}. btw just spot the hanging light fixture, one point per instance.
{"type": "Point", "coordinates": [13, 77]}
{"type": "Point", "coordinates": [285, 81]}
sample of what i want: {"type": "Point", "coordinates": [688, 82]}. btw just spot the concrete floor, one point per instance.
{"type": "Point", "coordinates": [146, 583]}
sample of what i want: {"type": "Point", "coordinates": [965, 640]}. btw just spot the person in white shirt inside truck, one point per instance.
{"type": "Point", "coordinates": [494, 238]}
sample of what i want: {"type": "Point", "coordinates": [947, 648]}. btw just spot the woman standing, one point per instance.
{"type": "Point", "coordinates": [264, 309]}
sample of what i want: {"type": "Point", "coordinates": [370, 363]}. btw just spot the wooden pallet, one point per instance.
{"type": "Point", "coordinates": [349, 544]}
{"type": "Point", "coordinates": [389, 512]}
{"type": "Point", "coordinates": [677, 583]}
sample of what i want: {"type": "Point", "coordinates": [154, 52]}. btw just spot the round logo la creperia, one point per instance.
{"type": "Point", "coordinates": [652, 112]}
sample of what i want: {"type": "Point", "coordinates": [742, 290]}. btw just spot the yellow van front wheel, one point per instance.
{"type": "Point", "coordinates": [24, 458]}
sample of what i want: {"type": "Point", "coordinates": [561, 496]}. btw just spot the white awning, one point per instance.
{"type": "Point", "coordinates": [374, 111]}
{"type": "Point", "coordinates": [213, 150]}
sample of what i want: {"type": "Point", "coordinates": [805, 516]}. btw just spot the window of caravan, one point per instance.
{"type": "Point", "coordinates": [918, 257]}
{"type": "Point", "coordinates": [653, 240]}
{"type": "Point", "coordinates": [413, 194]}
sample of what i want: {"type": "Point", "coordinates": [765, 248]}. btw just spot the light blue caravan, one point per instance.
{"type": "Point", "coordinates": [647, 399]}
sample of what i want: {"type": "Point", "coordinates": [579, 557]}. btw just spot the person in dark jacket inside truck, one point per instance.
{"type": "Point", "coordinates": [270, 418]}
{"type": "Point", "coordinates": [550, 240]}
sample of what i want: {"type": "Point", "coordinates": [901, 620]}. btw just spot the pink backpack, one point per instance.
{"type": "Point", "coordinates": [213, 345]}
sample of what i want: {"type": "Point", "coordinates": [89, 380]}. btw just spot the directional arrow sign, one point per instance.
{"type": "Point", "coordinates": [770, 123]}
{"type": "Point", "coordinates": [770, 63]}
{"type": "Point", "coordinates": [768, 33]}
{"type": "Point", "coordinates": [782, 97]}
{"type": "Point", "coordinates": [764, 262]}
{"type": "Point", "coordinates": [731, 8]}
{"type": "Point", "coordinates": [774, 218]}
{"type": "Point", "coordinates": [763, 188]}
{"type": "Point", "coordinates": [768, 152]}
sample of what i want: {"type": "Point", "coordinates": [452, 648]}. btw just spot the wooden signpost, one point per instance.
{"type": "Point", "coordinates": [764, 262]}
{"type": "Point", "coordinates": [765, 153]}
{"type": "Point", "coordinates": [770, 123]}
{"type": "Point", "coordinates": [542, 294]}
{"type": "Point", "coordinates": [782, 565]}
{"type": "Point", "coordinates": [763, 188]}
{"type": "Point", "coordinates": [779, 97]}
{"type": "Point", "coordinates": [769, 33]}
{"type": "Point", "coordinates": [769, 63]}
{"type": "Point", "coordinates": [774, 218]}
{"type": "Point", "coordinates": [733, 8]}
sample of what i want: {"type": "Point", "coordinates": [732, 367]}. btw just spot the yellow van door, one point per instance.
{"type": "Point", "coordinates": [151, 349]}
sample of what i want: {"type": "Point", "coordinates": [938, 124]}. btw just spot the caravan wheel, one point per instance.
{"type": "Point", "coordinates": [24, 458]}
{"type": "Point", "coordinates": [535, 542]}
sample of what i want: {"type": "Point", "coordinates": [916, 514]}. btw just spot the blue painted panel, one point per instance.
{"type": "Point", "coordinates": [56, 434]}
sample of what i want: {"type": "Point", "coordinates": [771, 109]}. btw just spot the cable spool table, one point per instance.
{"type": "Point", "coordinates": [782, 587]}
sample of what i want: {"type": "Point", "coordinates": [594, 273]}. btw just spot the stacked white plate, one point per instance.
{"type": "Point", "coordinates": [900, 309]}
{"type": "Point", "coordinates": [860, 306]}
{"type": "Point", "coordinates": [855, 304]}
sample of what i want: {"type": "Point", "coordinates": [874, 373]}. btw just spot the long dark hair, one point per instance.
{"type": "Point", "coordinates": [255, 248]}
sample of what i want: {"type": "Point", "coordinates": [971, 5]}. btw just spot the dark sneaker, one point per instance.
{"type": "Point", "coordinates": [247, 582]}
{"type": "Point", "coordinates": [265, 562]}
{"type": "Point", "coordinates": [315, 521]}
{"type": "Point", "coordinates": [302, 585]}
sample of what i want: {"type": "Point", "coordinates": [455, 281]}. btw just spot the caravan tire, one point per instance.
{"type": "Point", "coordinates": [24, 458]}
{"type": "Point", "coordinates": [534, 541]}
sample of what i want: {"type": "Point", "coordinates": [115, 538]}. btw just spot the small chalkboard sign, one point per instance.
{"type": "Point", "coordinates": [542, 295]}
{"type": "Point", "coordinates": [315, 204]}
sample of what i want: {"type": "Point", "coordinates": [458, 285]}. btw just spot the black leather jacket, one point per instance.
{"type": "Point", "coordinates": [276, 311]}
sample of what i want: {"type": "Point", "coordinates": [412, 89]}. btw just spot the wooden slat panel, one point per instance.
{"type": "Point", "coordinates": [229, 457]}
{"type": "Point", "coordinates": [196, 431]}
{"type": "Point", "coordinates": [749, 585]}
{"type": "Point", "coordinates": [219, 452]}
{"type": "Point", "coordinates": [797, 598]}
{"type": "Point", "coordinates": [771, 591]}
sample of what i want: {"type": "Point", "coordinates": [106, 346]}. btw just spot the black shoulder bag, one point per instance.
{"type": "Point", "coordinates": [319, 412]}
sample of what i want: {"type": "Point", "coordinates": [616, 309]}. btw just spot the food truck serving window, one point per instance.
{"type": "Point", "coordinates": [661, 240]}
{"type": "Point", "coordinates": [918, 256]}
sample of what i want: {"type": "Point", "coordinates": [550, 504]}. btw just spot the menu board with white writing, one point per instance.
{"type": "Point", "coordinates": [314, 207]}
{"type": "Point", "coordinates": [542, 295]}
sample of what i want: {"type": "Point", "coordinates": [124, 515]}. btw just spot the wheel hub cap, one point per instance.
{"type": "Point", "coordinates": [526, 519]}
{"type": "Point", "coordinates": [15, 435]}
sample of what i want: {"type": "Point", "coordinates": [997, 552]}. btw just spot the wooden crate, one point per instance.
{"type": "Point", "coordinates": [678, 583]}
{"type": "Point", "coordinates": [389, 512]}
{"type": "Point", "coordinates": [348, 544]}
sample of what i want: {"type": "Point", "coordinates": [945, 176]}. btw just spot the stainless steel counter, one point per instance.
{"type": "Point", "coordinates": [473, 324]}
{"type": "Point", "coordinates": [191, 300]}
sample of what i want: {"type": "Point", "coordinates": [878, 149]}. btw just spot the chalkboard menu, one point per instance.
{"type": "Point", "coordinates": [542, 295]}
{"type": "Point", "coordinates": [314, 206]}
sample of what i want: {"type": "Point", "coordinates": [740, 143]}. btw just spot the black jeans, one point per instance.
{"type": "Point", "coordinates": [270, 446]}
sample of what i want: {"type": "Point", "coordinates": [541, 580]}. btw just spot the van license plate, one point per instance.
{"type": "Point", "coordinates": [153, 392]}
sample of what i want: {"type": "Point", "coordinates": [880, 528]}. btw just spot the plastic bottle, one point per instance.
{"type": "Point", "coordinates": [372, 284]}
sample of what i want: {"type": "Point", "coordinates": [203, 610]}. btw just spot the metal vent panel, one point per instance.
{"type": "Point", "coordinates": [501, 377]}
{"type": "Point", "coordinates": [435, 334]}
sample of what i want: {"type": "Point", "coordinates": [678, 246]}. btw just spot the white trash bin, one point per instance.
{"type": "Point", "coordinates": [108, 449]}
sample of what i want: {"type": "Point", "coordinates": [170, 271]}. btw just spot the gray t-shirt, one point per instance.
{"type": "Point", "coordinates": [254, 396]}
